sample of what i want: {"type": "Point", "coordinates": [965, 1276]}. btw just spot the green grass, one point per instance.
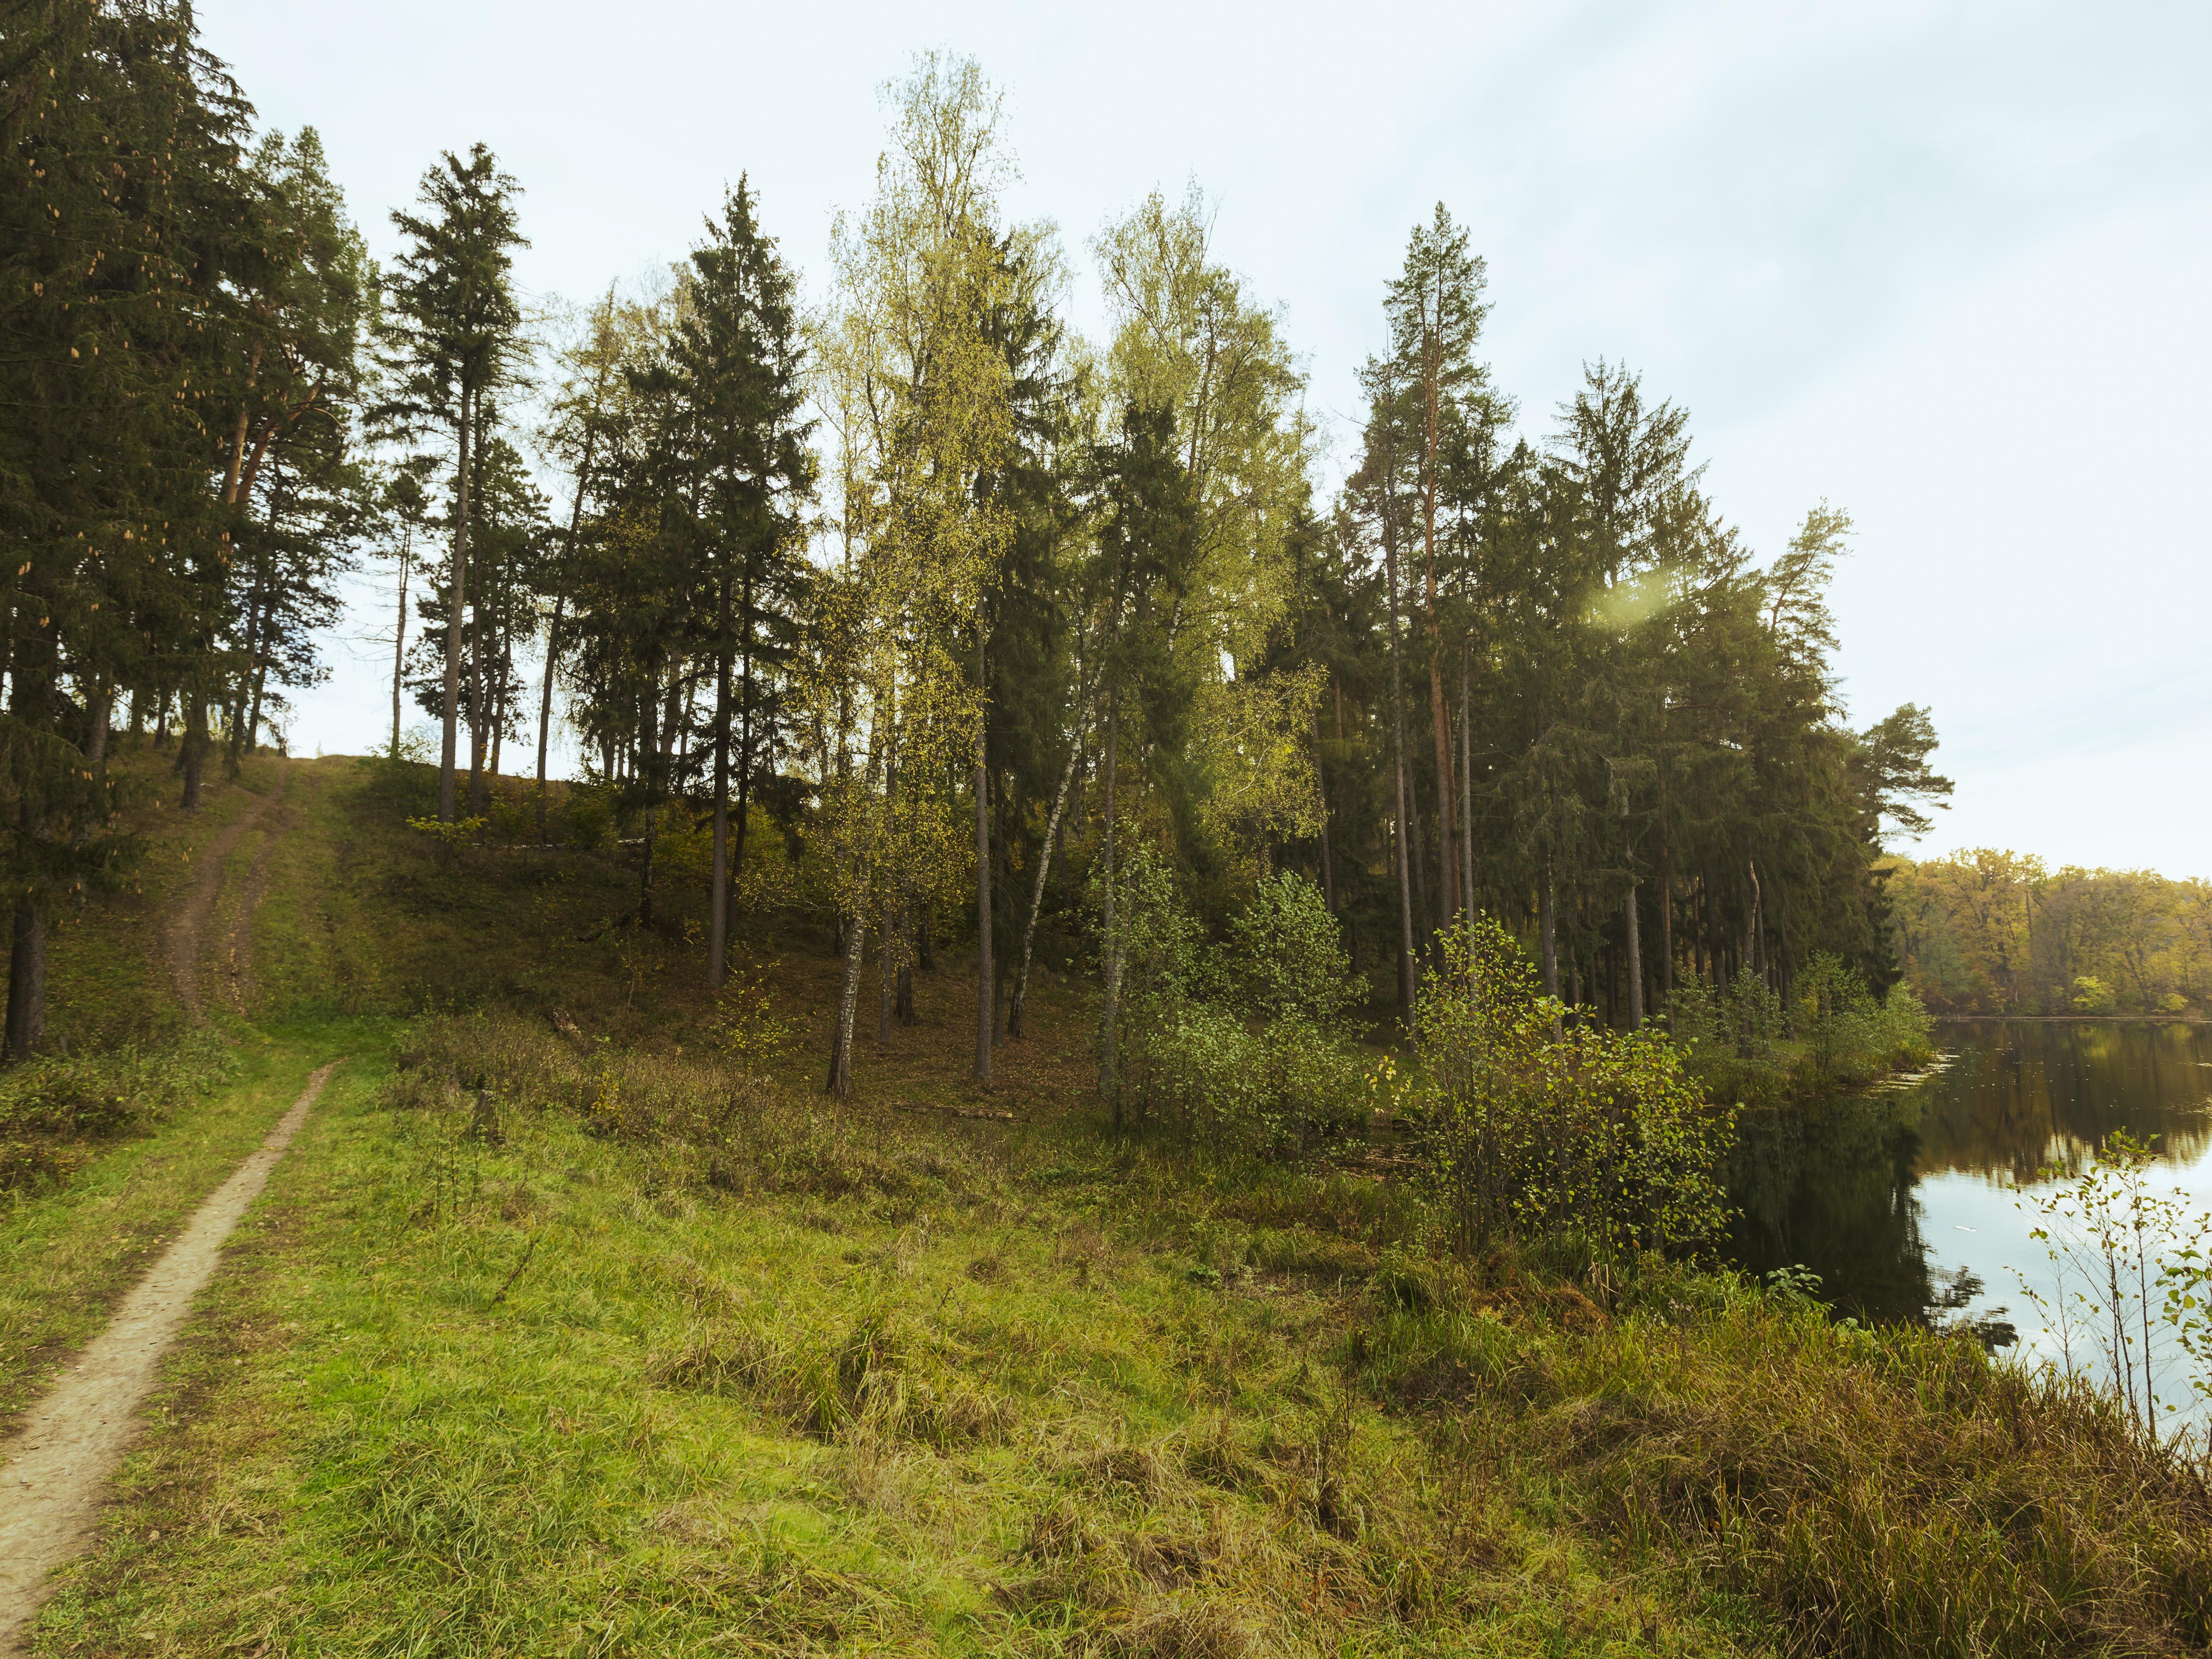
{"type": "Point", "coordinates": [69, 1252]}
{"type": "Point", "coordinates": [788, 1387]}
{"type": "Point", "coordinates": [642, 1354]}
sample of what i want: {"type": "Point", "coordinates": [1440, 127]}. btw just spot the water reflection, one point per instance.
{"type": "Point", "coordinates": [1902, 1201]}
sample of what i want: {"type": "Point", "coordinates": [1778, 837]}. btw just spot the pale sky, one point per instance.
{"type": "Point", "coordinates": [1947, 266]}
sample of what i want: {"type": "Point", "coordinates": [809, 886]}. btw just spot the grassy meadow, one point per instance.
{"type": "Point", "coordinates": [570, 1335]}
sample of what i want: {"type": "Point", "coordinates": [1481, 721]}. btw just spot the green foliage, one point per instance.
{"type": "Point", "coordinates": [747, 1025]}
{"type": "Point", "coordinates": [1542, 1131]}
{"type": "Point", "coordinates": [1741, 1043]}
{"type": "Point", "coordinates": [1238, 1046]}
{"type": "Point", "coordinates": [2131, 1281]}
{"type": "Point", "coordinates": [2093, 996]}
{"type": "Point", "coordinates": [1287, 958]}
{"type": "Point", "coordinates": [1987, 931]}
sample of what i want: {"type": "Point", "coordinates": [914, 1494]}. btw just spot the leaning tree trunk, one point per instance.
{"type": "Point", "coordinates": [1036, 894]}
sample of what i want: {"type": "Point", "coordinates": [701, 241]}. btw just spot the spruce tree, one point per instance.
{"type": "Point", "coordinates": [454, 341]}
{"type": "Point", "coordinates": [736, 363]}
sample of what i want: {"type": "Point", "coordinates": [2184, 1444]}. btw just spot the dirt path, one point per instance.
{"type": "Point", "coordinates": [54, 1471]}
{"type": "Point", "coordinates": [198, 908]}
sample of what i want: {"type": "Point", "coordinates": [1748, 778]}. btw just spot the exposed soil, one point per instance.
{"type": "Point", "coordinates": [54, 1470]}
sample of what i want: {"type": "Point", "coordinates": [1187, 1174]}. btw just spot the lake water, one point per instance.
{"type": "Point", "coordinates": [1906, 1202]}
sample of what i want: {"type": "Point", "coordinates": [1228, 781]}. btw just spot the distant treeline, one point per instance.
{"type": "Point", "coordinates": [1995, 932]}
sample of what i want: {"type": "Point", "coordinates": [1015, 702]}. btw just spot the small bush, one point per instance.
{"type": "Point", "coordinates": [51, 1107]}
{"type": "Point", "coordinates": [1238, 1046]}
{"type": "Point", "coordinates": [1539, 1130]}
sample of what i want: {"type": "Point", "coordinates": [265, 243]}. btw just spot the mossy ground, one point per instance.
{"type": "Point", "coordinates": [635, 1354]}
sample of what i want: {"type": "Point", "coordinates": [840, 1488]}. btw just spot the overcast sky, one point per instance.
{"type": "Point", "coordinates": [1947, 266]}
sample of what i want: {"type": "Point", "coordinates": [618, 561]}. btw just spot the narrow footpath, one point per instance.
{"type": "Point", "coordinates": [54, 1471]}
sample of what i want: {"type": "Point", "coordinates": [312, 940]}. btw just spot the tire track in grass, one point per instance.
{"type": "Point", "coordinates": [192, 916]}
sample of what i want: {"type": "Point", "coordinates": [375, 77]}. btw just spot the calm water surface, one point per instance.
{"type": "Point", "coordinates": [1906, 1202]}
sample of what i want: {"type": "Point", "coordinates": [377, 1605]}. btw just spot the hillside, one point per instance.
{"type": "Point", "coordinates": [560, 1331]}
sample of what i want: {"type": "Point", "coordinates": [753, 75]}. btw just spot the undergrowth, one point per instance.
{"type": "Point", "coordinates": [1261, 1415]}
{"type": "Point", "coordinates": [57, 1112]}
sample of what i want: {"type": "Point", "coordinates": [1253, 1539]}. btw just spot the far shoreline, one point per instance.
{"type": "Point", "coordinates": [2068, 1019]}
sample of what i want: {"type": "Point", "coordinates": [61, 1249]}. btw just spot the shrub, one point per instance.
{"type": "Point", "coordinates": [1237, 1047]}
{"type": "Point", "coordinates": [1542, 1131]}
{"type": "Point", "coordinates": [1734, 1038]}
{"type": "Point", "coordinates": [1286, 956]}
{"type": "Point", "coordinates": [2093, 995]}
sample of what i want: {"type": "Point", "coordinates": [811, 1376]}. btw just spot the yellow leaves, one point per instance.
{"type": "Point", "coordinates": [1253, 738]}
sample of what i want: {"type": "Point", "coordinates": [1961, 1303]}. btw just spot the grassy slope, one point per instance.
{"type": "Point", "coordinates": [772, 1380]}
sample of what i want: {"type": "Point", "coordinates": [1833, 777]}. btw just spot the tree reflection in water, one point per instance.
{"type": "Point", "coordinates": [1841, 1186]}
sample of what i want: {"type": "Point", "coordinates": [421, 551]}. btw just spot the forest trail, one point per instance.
{"type": "Point", "coordinates": [189, 925]}
{"type": "Point", "coordinates": [54, 1470]}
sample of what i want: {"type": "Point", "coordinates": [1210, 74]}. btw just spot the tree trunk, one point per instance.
{"type": "Point", "coordinates": [1467, 785]}
{"type": "Point", "coordinates": [458, 590]}
{"type": "Point", "coordinates": [1634, 966]}
{"type": "Point", "coordinates": [902, 1005]}
{"type": "Point", "coordinates": [985, 986]}
{"type": "Point", "coordinates": [886, 974]}
{"type": "Point", "coordinates": [241, 735]}
{"type": "Point", "coordinates": [1036, 894]}
{"type": "Point", "coordinates": [253, 713]}
{"type": "Point", "coordinates": [744, 745]}
{"type": "Point", "coordinates": [479, 712]}
{"type": "Point", "coordinates": [33, 699]}
{"type": "Point", "coordinates": [498, 715]}
{"type": "Point", "coordinates": [1320, 783]}
{"type": "Point", "coordinates": [1666, 926]}
{"type": "Point", "coordinates": [849, 998]}
{"type": "Point", "coordinates": [399, 639]}
{"type": "Point", "coordinates": [99, 713]}
{"type": "Point", "coordinates": [193, 750]}
{"type": "Point", "coordinates": [545, 708]}
{"type": "Point", "coordinates": [1448, 893]}
{"type": "Point", "coordinates": [1110, 1010]}
{"type": "Point", "coordinates": [1398, 756]}
{"type": "Point", "coordinates": [1547, 925]}
{"type": "Point", "coordinates": [718, 890]}
{"type": "Point", "coordinates": [1424, 922]}
{"type": "Point", "coordinates": [26, 978]}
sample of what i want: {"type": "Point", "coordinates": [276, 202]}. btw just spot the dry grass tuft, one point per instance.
{"type": "Point", "coordinates": [1203, 1629]}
